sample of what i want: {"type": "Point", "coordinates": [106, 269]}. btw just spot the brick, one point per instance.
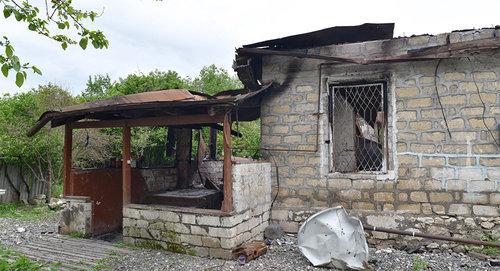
{"type": "Point", "coordinates": [426, 80]}
{"type": "Point", "coordinates": [303, 128]}
{"type": "Point", "coordinates": [401, 147]}
{"type": "Point", "coordinates": [463, 136]}
{"type": "Point", "coordinates": [293, 181]}
{"type": "Point", "coordinates": [454, 148]}
{"type": "Point", "coordinates": [490, 161]}
{"type": "Point", "coordinates": [409, 208]}
{"type": "Point", "coordinates": [456, 185]}
{"type": "Point", "coordinates": [306, 171]}
{"type": "Point", "coordinates": [350, 194]}
{"type": "Point", "coordinates": [363, 184]}
{"type": "Point", "coordinates": [465, 173]}
{"type": "Point", "coordinates": [433, 137]}
{"type": "Point", "coordinates": [418, 196]}
{"type": "Point", "coordinates": [471, 111]}
{"type": "Point", "coordinates": [459, 209]}
{"type": "Point", "coordinates": [407, 92]}
{"type": "Point", "coordinates": [169, 216]}
{"type": "Point", "coordinates": [485, 148]}
{"type": "Point", "coordinates": [438, 209]}
{"type": "Point", "coordinates": [431, 114]}
{"type": "Point", "coordinates": [409, 185]}
{"type": "Point", "coordinates": [410, 160]}
{"type": "Point", "coordinates": [280, 129]}
{"type": "Point", "coordinates": [363, 206]}
{"type": "Point", "coordinates": [484, 76]}
{"type": "Point", "coordinates": [292, 139]}
{"type": "Point", "coordinates": [437, 197]}
{"type": "Point", "coordinates": [420, 125]}
{"type": "Point", "coordinates": [426, 208]}
{"type": "Point", "coordinates": [478, 123]}
{"type": "Point", "coordinates": [383, 197]}
{"type": "Point", "coordinates": [407, 115]}
{"type": "Point", "coordinates": [456, 123]}
{"type": "Point", "coordinates": [475, 198]}
{"type": "Point", "coordinates": [339, 184]}
{"type": "Point", "coordinates": [312, 97]}
{"type": "Point", "coordinates": [462, 161]}
{"type": "Point", "coordinates": [305, 108]}
{"type": "Point", "coordinates": [423, 148]}
{"type": "Point", "coordinates": [406, 136]}
{"type": "Point", "coordinates": [453, 100]}
{"type": "Point", "coordinates": [419, 103]}
{"type": "Point", "coordinates": [293, 202]}
{"type": "Point", "coordinates": [433, 161]}
{"type": "Point", "coordinates": [495, 198]}
{"type": "Point", "coordinates": [442, 173]}
{"type": "Point", "coordinates": [481, 186]}
{"type": "Point", "coordinates": [208, 220]}
{"type": "Point", "coordinates": [419, 172]}
{"type": "Point", "coordinates": [454, 76]}
{"type": "Point", "coordinates": [188, 219]}
{"type": "Point", "coordinates": [402, 197]}
{"type": "Point", "coordinates": [305, 88]}
{"type": "Point", "coordinates": [296, 159]}
{"type": "Point", "coordinates": [483, 210]}
{"type": "Point", "coordinates": [468, 87]}
{"type": "Point", "coordinates": [486, 97]}
{"type": "Point", "coordinates": [281, 109]}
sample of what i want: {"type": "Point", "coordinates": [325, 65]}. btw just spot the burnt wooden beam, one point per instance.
{"type": "Point", "coordinates": [213, 144]}
{"type": "Point", "coordinates": [153, 121]}
{"type": "Point", "coordinates": [227, 203]}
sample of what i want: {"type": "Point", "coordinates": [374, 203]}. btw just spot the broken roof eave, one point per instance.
{"type": "Point", "coordinates": [92, 110]}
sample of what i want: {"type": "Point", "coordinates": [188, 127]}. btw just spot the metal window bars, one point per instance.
{"type": "Point", "coordinates": [358, 124]}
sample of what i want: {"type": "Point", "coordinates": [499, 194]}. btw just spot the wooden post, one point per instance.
{"type": "Point", "coordinates": [213, 144]}
{"type": "Point", "coordinates": [68, 145]}
{"type": "Point", "coordinates": [126, 170]}
{"type": "Point", "coordinates": [183, 157]}
{"type": "Point", "coordinates": [227, 204]}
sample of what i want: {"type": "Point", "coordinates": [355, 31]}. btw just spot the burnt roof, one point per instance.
{"type": "Point", "coordinates": [169, 102]}
{"type": "Point", "coordinates": [329, 36]}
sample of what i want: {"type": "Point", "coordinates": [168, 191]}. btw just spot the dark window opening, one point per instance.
{"type": "Point", "coordinates": [358, 122]}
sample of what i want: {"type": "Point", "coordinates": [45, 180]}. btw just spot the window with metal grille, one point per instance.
{"type": "Point", "coordinates": [358, 123]}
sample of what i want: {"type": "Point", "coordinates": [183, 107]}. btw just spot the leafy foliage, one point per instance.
{"type": "Point", "coordinates": [212, 79]}
{"type": "Point", "coordinates": [56, 14]}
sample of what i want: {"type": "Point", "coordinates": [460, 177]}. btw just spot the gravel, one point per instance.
{"type": "Point", "coordinates": [282, 255]}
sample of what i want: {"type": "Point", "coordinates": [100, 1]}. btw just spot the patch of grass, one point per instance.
{"type": "Point", "coordinates": [14, 261]}
{"type": "Point", "coordinates": [76, 234]}
{"type": "Point", "coordinates": [492, 251]}
{"type": "Point", "coordinates": [419, 264]}
{"type": "Point", "coordinates": [25, 212]}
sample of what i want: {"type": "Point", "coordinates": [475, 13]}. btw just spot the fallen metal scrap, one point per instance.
{"type": "Point", "coordinates": [333, 237]}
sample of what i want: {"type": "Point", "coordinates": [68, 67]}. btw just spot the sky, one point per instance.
{"type": "Point", "coordinates": [185, 35]}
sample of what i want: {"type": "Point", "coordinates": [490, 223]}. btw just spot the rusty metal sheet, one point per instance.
{"type": "Point", "coordinates": [139, 98]}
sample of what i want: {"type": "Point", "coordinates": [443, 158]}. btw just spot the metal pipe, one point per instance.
{"type": "Point", "coordinates": [430, 236]}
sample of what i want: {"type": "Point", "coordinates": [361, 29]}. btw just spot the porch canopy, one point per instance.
{"type": "Point", "coordinates": [174, 107]}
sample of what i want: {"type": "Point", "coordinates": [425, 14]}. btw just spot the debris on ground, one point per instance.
{"type": "Point", "coordinates": [273, 232]}
{"type": "Point", "coordinates": [331, 237]}
{"type": "Point", "coordinates": [249, 251]}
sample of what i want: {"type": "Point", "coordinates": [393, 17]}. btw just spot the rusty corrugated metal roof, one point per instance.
{"type": "Point", "coordinates": [147, 104]}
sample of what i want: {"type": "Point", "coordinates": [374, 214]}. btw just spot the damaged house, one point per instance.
{"type": "Point", "coordinates": [402, 132]}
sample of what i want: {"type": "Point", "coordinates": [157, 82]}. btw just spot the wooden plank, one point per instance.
{"type": "Point", "coordinates": [154, 121]}
{"type": "Point", "coordinates": [227, 203]}
{"type": "Point", "coordinates": [213, 144]}
{"type": "Point", "coordinates": [68, 145]}
{"type": "Point", "coordinates": [126, 170]}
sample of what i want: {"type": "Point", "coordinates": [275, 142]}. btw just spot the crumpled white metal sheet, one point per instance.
{"type": "Point", "coordinates": [333, 237]}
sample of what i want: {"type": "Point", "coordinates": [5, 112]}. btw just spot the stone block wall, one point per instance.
{"type": "Point", "coordinates": [206, 232]}
{"type": "Point", "coordinates": [431, 174]}
{"type": "Point", "coordinates": [76, 217]}
{"type": "Point", "coordinates": [159, 179]}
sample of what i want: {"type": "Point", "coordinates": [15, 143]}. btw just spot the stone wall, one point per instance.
{"type": "Point", "coordinates": [430, 174]}
{"type": "Point", "coordinates": [159, 179]}
{"type": "Point", "coordinates": [76, 217]}
{"type": "Point", "coordinates": [206, 232]}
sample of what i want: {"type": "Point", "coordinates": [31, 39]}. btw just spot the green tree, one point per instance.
{"type": "Point", "coordinates": [58, 20]}
{"type": "Point", "coordinates": [155, 80]}
{"type": "Point", "coordinates": [97, 88]}
{"type": "Point", "coordinates": [213, 79]}
{"type": "Point", "coordinates": [40, 155]}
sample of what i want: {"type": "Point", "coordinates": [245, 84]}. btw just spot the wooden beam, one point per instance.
{"type": "Point", "coordinates": [227, 203]}
{"type": "Point", "coordinates": [154, 121]}
{"type": "Point", "coordinates": [213, 144]}
{"type": "Point", "coordinates": [68, 145]}
{"type": "Point", "coordinates": [126, 170]}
